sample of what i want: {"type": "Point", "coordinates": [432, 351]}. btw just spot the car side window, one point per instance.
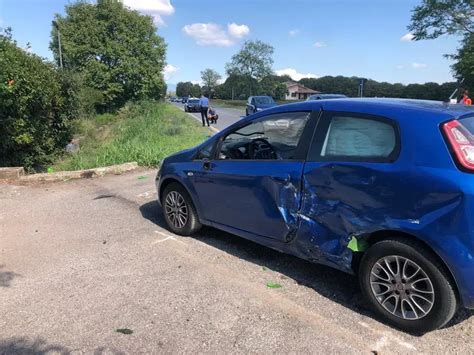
{"type": "Point", "coordinates": [360, 139]}
{"type": "Point", "coordinates": [271, 137]}
{"type": "Point", "coordinates": [205, 152]}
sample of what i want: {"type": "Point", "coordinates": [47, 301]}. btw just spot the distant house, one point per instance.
{"type": "Point", "coordinates": [298, 92]}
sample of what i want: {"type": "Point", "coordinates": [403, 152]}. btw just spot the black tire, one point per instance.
{"type": "Point", "coordinates": [443, 295]}
{"type": "Point", "coordinates": [246, 112]}
{"type": "Point", "coordinates": [192, 224]}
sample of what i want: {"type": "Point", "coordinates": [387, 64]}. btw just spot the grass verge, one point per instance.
{"type": "Point", "coordinates": [145, 132]}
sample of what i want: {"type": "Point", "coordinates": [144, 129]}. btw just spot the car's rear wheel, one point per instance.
{"type": "Point", "coordinates": [179, 211]}
{"type": "Point", "coordinates": [407, 285]}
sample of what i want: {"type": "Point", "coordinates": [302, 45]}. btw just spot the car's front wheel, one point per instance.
{"type": "Point", "coordinates": [179, 211]}
{"type": "Point", "coordinates": [407, 285]}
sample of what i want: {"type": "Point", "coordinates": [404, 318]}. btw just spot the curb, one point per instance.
{"type": "Point", "coordinates": [14, 173]}
{"type": "Point", "coordinates": [79, 174]}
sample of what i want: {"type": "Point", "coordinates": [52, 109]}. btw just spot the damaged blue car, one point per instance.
{"type": "Point", "coordinates": [381, 188]}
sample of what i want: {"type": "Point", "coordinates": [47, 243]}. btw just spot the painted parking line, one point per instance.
{"type": "Point", "coordinates": [166, 238]}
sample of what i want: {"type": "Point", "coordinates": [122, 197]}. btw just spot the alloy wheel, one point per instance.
{"type": "Point", "coordinates": [402, 287]}
{"type": "Point", "coordinates": [176, 209]}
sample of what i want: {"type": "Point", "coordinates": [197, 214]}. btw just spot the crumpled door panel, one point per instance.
{"type": "Point", "coordinates": [343, 201]}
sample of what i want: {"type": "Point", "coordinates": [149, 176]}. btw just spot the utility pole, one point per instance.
{"type": "Point", "coordinates": [59, 45]}
{"type": "Point", "coordinates": [361, 87]}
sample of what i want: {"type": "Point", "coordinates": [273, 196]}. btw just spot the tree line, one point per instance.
{"type": "Point", "coordinates": [237, 87]}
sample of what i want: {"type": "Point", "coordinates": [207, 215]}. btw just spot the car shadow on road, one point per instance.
{"type": "Point", "coordinates": [24, 345]}
{"type": "Point", "coordinates": [38, 346]}
{"type": "Point", "coordinates": [6, 277]}
{"type": "Point", "coordinates": [328, 282]}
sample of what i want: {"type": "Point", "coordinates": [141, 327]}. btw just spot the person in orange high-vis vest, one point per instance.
{"type": "Point", "coordinates": [466, 100]}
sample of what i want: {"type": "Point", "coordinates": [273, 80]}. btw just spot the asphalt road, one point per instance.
{"type": "Point", "coordinates": [81, 259]}
{"type": "Point", "coordinates": [227, 116]}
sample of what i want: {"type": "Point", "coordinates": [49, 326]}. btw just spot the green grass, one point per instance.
{"type": "Point", "coordinates": [145, 132]}
{"type": "Point", "coordinates": [229, 103]}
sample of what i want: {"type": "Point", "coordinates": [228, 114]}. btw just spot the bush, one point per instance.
{"type": "Point", "coordinates": [36, 106]}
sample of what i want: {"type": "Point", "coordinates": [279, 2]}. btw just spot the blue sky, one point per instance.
{"type": "Point", "coordinates": [311, 37]}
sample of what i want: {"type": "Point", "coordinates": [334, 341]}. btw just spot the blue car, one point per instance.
{"type": "Point", "coordinates": [258, 103]}
{"type": "Point", "coordinates": [380, 188]}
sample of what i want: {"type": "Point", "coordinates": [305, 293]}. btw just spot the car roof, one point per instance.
{"type": "Point", "coordinates": [381, 105]}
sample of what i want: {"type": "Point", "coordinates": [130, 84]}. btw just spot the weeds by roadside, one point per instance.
{"type": "Point", "coordinates": [145, 132]}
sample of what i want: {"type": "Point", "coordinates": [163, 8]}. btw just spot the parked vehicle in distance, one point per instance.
{"type": "Point", "coordinates": [192, 105]}
{"type": "Point", "coordinates": [173, 98]}
{"type": "Point", "coordinates": [258, 103]}
{"type": "Point", "coordinates": [325, 97]}
{"type": "Point", "coordinates": [381, 188]}
{"type": "Point", "coordinates": [185, 99]}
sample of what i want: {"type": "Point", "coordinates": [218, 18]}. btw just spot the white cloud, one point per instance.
{"type": "Point", "coordinates": [212, 34]}
{"type": "Point", "coordinates": [154, 8]}
{"type": "Point", "coordinates": [294, 32]}
{"type": "Point", "coordinates": [168, 71]}
{"type": "Point", "coordinates": [294, 74]}
{"type": "Point", "coordinates": [238, 31]}
{"type": "Point", "coordinates": [194, 82]}
{"type": "Point", "coordinates": [407, 38]}
{"type": "Point", "coordinates": [320, 45]}
{"type": "Point", "coordinates": [419, 65]}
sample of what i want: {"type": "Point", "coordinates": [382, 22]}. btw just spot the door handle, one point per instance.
{"type": "Point", "coordinates": [284, 178]}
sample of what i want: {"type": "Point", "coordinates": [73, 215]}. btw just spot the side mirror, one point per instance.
{"type": "Point", "coordinates": [206, 163]}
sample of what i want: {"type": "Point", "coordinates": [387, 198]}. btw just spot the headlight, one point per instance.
{"type": "Point", "coordinates": [259, 109]}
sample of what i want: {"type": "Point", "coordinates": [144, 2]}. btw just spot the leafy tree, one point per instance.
{"type": "Point", "coordinates": [253, 62]}
{"type": "Point", "coordinates": [464, 66]}
{"type": "Point", "coordinates": [115, 49]}
{"type": "Point", "coordinates": [37, 104]}
{"type": "Point", "coordinates": [210, 80]}
{"type": "Point", "coordinates": [184, 88]}
{"type": "Point", "coordinates": [196, 90]}
{"type": "Point", "coordinates": [279, 91]}
{"type": "Point", "coordinates": [434, 18]}
{"type": "Point", "coordinates": [236, 86]}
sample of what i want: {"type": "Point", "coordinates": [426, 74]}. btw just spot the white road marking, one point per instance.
{"type": "Point", "coordinates": [386, 338]}
{"type": "Point", "coordinates": [167, 237]}
{"type": "Point", "coordinates": [147, 194]}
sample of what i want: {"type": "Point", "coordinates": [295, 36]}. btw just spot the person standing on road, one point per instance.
{"type": "Point", "coordinates": [204, 103]}
{"type": "Point", "coordinates": [466, 100]}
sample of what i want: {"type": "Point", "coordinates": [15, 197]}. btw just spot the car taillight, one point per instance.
{"type": "Point", "coordinates": [461, 142]}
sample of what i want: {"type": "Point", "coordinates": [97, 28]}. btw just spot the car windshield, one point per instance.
{"type": "Point", "coordinates": [263, 100]}
{"type": "Point", "coordinates": [193, 101]}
